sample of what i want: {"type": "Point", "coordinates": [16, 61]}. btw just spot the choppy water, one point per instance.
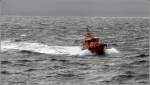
{"type": "Point", "coordinates": [128, 67]}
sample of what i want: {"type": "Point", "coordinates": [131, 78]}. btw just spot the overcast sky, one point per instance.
{"type": "Point", "coordinates": [75, 7]}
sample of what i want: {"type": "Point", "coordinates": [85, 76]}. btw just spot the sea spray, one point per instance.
{"type": "Point", "coordinates": [55, 50]}
{"type": "Point", "coordinates": [111, 50]}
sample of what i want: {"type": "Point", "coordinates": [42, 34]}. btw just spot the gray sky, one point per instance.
{"type": "Point", "coordinates": [76, 7]}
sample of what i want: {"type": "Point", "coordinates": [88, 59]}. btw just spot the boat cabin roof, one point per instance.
{"type": "Point", "coordinates": [92, 39]}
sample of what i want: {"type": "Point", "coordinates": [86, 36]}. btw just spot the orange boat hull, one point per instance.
{"type": "Point", "coordinates": [98, 49]}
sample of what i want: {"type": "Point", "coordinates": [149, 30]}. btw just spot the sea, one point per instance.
{"type": "Point", "coordinates": [46, 50]}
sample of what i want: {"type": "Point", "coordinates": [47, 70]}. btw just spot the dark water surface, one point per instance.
{"type": "Point", "coordinates": [128, 35]}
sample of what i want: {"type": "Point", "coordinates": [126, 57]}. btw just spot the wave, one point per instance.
{"type": "Point", "coordinates": [55, 50]}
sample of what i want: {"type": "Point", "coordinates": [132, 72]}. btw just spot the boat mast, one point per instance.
{"type": "Point", "coordinates": [87, 28]}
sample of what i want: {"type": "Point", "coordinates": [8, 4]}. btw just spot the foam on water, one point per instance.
{"type": "Point", "coordinates": [42, 48]}
{"type": "Point", "coordinates": [111, 50]}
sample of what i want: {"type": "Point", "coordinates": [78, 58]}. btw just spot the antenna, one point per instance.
{"type": "Point", "coordinates": [88, 28]}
